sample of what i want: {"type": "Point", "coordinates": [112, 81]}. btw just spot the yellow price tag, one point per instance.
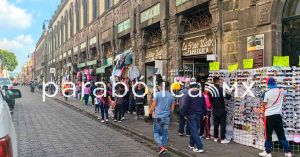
{"type": "Point", "coordinates": [248, 63]}
{"type": "Point", "coordinates": [281, 61]}
{"type": "Point", "coordinates": [214, 66]}
{"type": "Point", "coordinates": [233, 67]}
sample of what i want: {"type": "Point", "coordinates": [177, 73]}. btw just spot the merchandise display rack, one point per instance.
{"type": "Point", "coordinates": [245, 113]}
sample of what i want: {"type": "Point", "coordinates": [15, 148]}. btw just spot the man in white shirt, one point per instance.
{"type": "Point", "coordinates": [272, 103]}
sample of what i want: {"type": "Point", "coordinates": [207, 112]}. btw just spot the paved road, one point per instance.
{"type": "Point", "coordinates": [52, 130]}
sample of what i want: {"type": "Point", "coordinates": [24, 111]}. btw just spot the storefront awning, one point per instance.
{"type": "Point", "coordinates": [81, 65]}
{"type": "Point", "coordinates": [101, 70]}
{"type": "Point", "coordinates": [93, 62]}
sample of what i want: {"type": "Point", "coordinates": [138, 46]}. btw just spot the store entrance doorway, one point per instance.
{"type": "Point", "coordinates": [291, 31]}
{"type": "Point", "coordinates": [193, 67]}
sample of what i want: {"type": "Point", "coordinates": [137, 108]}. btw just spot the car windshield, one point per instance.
{"type": "Point", "coordinates": [4, 81]}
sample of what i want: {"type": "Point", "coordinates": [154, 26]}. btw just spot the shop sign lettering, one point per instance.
{"type": "Point", "coordinates": [153, 54]}
{"type": "Point", "coordinates": [198, 46]}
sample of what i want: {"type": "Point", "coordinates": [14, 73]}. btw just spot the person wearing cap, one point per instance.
{"type": "Point", "coordinates": [272, 104]}
{"type": "Point", "coordinates": [194, 108]}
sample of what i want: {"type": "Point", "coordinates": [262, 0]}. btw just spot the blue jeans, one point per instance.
{"type": "Point", "coordinates": [104, 110]}
{"type": "Point", "coordinates": [86, 99]}
{"type": "Point", "coordinates": [194, 121]}
{"type": "Point", "coordinates": [160, 131]}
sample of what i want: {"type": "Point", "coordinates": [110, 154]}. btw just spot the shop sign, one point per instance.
{"type": "Point", "coordinates": [255, 42]}
{"type": "Point", "coordinates": [83, 45]}
{"type": "Point", "coordinates": [150, 13]}
{"type": "Point", "coordinates": [93, 40]}
{"type": "Point", "coordinates": [233, 67]}
{"type": "Point", "coordinates": [65, 54]}
{"type": "Point", "coordinates": [52, 70]}
{"type": "Point", "coordinates": [281, 61]}
{"type": "Point", "coordinates": [76, 49]}
{"type": "Point", "coordinates": [91, 63]}
{"type": "Point", "coordinates": [69, 53]}
{"type": "Point", "coordinates": [198, 46]}
{"type": "Point", "coordinates": [214, 66]}
{"type": "Point", "coordinates": [153, 54]}
{"type": "Point", "coordinates": [81, 65]}
{"type": "Point", "coordinates": [255, 49]}
{"type": "Point", "coordinates": [124, 25]}
{"type": "Point", "coordinates": [179, 2]}
{"type": "Point", "coordinates": [248, 63]}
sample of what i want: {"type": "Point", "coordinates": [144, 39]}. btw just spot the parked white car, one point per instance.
{"type": "Point", "coordinates": [8, 142]}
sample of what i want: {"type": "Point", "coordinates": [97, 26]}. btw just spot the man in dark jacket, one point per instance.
{"type": "Point", "coordinates": [182, 121]}
{"type": "Point", "coordinates": [93, 87]}
{"type": "Point", "coordinates": [219, 112]}
{"type": "Point", "coordinates": [194, 108]}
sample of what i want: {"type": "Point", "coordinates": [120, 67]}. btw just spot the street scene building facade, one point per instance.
{"type": "Point", "coordinates": [174, 37]}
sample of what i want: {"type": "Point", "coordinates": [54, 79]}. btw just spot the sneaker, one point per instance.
{"type": "Point", "coordinates": [191, 147]}
{"type": "Point", "coordinates": [265, 154]}
{"type": "Point", "coordinates": [119, 121]}
{"type": "Point", "coordinates": [288, 154]}
{"type": "Point", "coordinates": [162, 150]}
{"type": "Point", "coordinates": [134, 113]}
{"type": "Point", "coordinates": [123, 118]}
{"type": "Point", "coordinates": [207, 137]}
{"type": "Point", "coordinates": [180, 134]}
{"type": "Point", "coordinates": [187, 135]}
{"type": "Point", "coordinates": [196, 150]}
{"type": "Point", "coordinates": [215, 140]}
{"type": "Point", "coordinates": [115, 120]}
{"type": "Point", "coordinates": [102, 121]}
{"type": "Point", "coordinates": [106, 120]}
{"type": "Point", "coordinates": [225, 141]}
{"type": "Point", "coordinates": [98, 118]}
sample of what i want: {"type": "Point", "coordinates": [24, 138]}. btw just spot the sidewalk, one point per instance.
{"type": "Point", "coordinates": [176, 143]}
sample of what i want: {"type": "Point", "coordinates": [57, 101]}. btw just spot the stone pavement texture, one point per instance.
{"type": "Point", "coordinates": [180, 144]}
{"type": "Point", "coordinates": [51, 129]}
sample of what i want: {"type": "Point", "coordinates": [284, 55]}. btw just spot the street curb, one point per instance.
{"type": "Point", "coordinates": [170, 148]}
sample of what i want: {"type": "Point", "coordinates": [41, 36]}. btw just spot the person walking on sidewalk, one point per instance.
{"type": "Point", "coordinates": [92, 88]}
{"type": "Point", "coordinates": [119, 105]}
{"type": "Point", "coordinates": [206, 120]}
{"type": "Point", "coordinates": [194, 108]}
{"type": "Point", "coordinates": [140, 101]}
{"type": "Point", "coordinates": [86, 93]}
{"type": "Point", "coordinates": [161, 109]}
{"type": "Point", "coordinates": [219, 112]}
{"type": "Point", "coordinates": [67, 91]}
{"type": "Point", "coordinates": [182, 120]}
{"type": "Point", "coordinates": [272, 104]}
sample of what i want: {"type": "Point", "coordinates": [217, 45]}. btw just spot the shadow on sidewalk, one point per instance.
{"type": "Point", "coordinates": [177, 144]}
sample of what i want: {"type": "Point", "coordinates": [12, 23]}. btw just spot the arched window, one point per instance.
{"type": "Point", "coordinates": [108, 4]}
{"type": "Point", "coordinates": [291, 31]}
{"type": "Point", "coordinates": [71, 19]}
{"type": "Point", "coordinates": [77, 14]}
{"type": "Point", "coordinates": [95, 8]}
{"type": "Point", "coordinates": [85, 11]}
{"type": "Point", "coordinates": [62, 30]}
{"type": "Point", "coordinates": [66, 26]}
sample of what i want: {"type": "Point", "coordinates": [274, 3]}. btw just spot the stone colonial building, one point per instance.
{"type": "Point", "coordinates": [179, 37]}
